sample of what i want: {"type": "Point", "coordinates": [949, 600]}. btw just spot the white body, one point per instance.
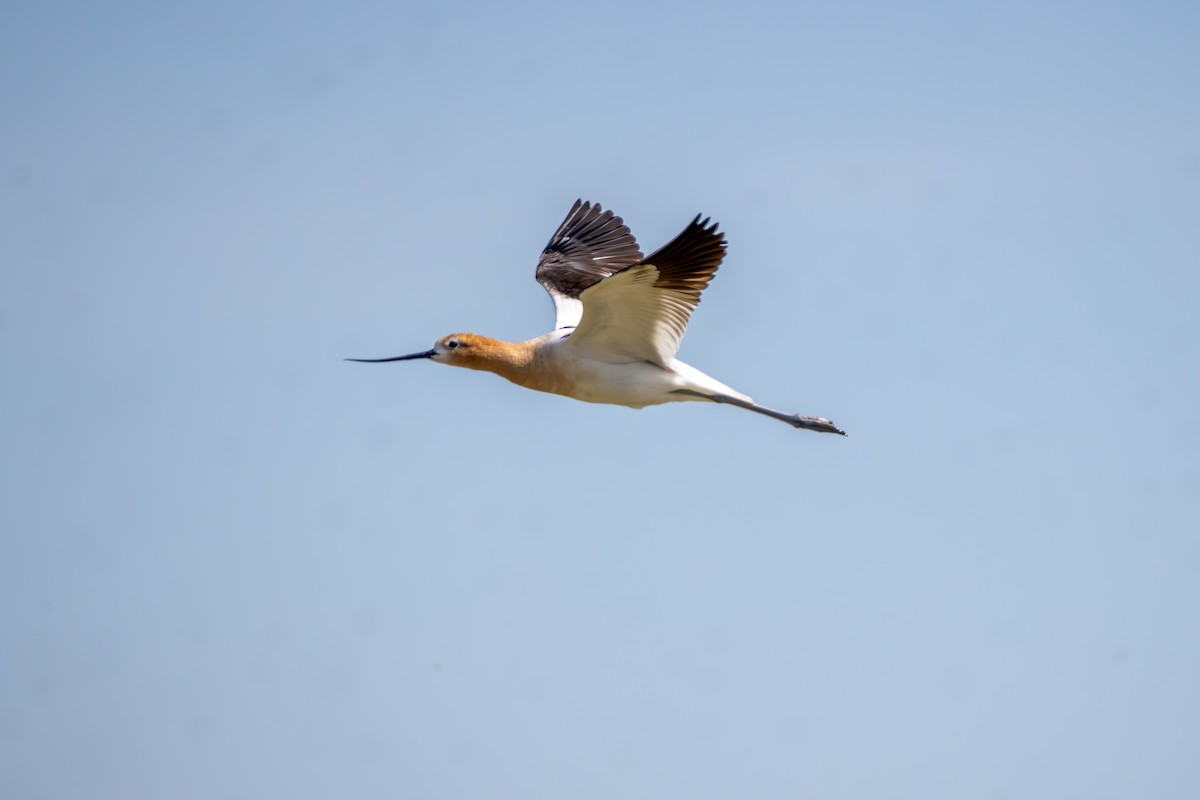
{"type": "Point", "coordinates": [635, 383]}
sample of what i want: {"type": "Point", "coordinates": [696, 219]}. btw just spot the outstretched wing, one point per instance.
{"type": "Point", "coordinates": [641, 313]}
{"type": "Point", "coordinates": [590, 245]}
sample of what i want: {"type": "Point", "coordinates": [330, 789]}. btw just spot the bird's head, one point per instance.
{"type": "Point", "coordinates": [457, 349]}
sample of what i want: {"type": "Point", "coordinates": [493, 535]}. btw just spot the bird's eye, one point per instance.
{"type": "Point", "coordinates": [453, 343]}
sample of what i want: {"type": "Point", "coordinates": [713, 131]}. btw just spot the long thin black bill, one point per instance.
{"type": "Point", "coordinates": [426, 354]}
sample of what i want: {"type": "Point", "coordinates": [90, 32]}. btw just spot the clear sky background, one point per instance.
{"type": "Point", "coordinates": [234, 566]}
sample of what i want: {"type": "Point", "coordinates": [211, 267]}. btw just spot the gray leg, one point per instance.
{"type": "Point", "coordinates": [795, 420]}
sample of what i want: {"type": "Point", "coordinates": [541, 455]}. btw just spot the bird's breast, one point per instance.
{"type": "Point", "coordinates": [634, 384]}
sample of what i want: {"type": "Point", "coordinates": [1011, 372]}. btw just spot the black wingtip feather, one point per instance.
{"type": "Point", "coordinates": [590, 245]}
{"type": "Point", "coordinates": [688, 262]}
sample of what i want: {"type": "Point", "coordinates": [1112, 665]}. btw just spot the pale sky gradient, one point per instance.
{"type": "Point", "coordinates": [234, 566]}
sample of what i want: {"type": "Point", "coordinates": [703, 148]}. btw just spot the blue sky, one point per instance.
{"type": "Point", "coordinates": [233, 565]}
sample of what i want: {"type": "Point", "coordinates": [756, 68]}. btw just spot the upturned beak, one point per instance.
{"type": "Point", "coordinates": [426, 354]}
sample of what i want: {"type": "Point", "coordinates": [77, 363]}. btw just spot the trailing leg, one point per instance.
{"type": "Point", "coordinates": [819, 424]}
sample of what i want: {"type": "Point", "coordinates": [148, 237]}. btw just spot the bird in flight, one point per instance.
{"type": "Point", "coordinates": [619, 320]}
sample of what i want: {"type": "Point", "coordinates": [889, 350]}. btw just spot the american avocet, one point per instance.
{"type": "Point", "coordinates": [620, 318]}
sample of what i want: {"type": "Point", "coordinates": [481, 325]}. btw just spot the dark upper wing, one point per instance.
{"type": "Point", "coordinates": [688, 262]}
{"type": "Point", "coordinates": [641, 313]}
{"type": "Point", "coordinates": [590, 245]}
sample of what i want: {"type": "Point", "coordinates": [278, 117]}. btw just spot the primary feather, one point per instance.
{"type": "Point", "coordinates": [590, 245]}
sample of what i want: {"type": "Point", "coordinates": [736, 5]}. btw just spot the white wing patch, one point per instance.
{"type": "Point", "coordinates": [627, 318]}
{"type": "Point", "coordinates": [567, 310]}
